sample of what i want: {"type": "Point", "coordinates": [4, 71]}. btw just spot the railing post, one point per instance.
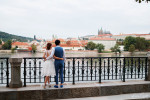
{"type": "Point", "coordinates": [7, 72]}
{"type": "Point", "coordinates": [73, 71]}
{"type": "Point", "coordinates": [35, 70]}
{"type": "Point", "coordinates": [2, 72]}
{"type": "Point", "coordinates": [24, 72]}
{"type": "Point", "coordinates": [100, 70]}
{"type": "Point", "coordinates": [148, 76]}
{"type": "Point", "coordinates": [15, 72]}
{"type": "Point", "coordinates": [91, 68]}
{"type": "Point", "coordinates": [124, 63]}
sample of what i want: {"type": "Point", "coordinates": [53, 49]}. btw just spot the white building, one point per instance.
{"type": "Point", "coordinates": [107, 42]}
{"type": "Point", "coordinates": [123, 36]}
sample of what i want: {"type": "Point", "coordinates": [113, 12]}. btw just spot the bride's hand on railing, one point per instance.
{"type": "Point", "coordinates": [44, 58]}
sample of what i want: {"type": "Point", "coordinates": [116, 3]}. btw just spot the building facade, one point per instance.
{"type": "Point", "coordinates": [107, 42]}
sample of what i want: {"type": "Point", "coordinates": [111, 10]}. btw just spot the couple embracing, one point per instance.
{"type": "Point", "coordinates": [52, 68]}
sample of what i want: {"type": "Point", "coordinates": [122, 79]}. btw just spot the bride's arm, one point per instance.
{"type": "Point", "coordinates": [57, 58]}
{"type": "Point", "coordinates": [44, 56]}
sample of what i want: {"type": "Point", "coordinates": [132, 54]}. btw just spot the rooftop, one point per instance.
{"type": "Point", "coordinates": [20, 43]}
{"type": "Point", "coordinates": [103, 39]}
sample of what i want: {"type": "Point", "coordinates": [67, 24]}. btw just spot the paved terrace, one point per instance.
{"type": "Point", "coordinates": [79, 90]}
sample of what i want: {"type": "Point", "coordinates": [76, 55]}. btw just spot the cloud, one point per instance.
{"type": "Point", "coordinates": [72, 18]}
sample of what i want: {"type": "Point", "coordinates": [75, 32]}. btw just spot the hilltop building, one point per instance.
{"type": "Point", "coordinates": [106, 41]}
{"type": "Point", "coordinates": [101, 32]}
{"type": "Point", "coordinates": [103, 37]}
{"type": "Point", "coordinates": [86, 37]}
{"type": "Point", "coordinates": [123, 36]}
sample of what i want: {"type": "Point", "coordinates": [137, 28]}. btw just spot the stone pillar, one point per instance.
{"type": "Point", "coordinates": [148, 77]}
{"type": "Point", "coordinates": [15, 72]}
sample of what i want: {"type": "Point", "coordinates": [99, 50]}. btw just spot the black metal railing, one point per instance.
{"type": "Point", "coordinates": [89, 69]}
{"type": "Point", "coordinates": [4, 71]}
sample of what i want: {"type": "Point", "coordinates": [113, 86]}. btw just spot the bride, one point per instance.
{"type": "Point", "coordinates": [48, 65]}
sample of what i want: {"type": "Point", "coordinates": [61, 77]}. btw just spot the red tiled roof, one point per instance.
{"type": "Point", "coordinates": [131, 34]}
{"type": "Point", "coordinates": [61, 40]}
{"type": "Point", "coordinates": [48, 41]}
{"type": "Point", "coordinates": [99, 38]}
{"type": "Point", "coordinates": [142, 34]}
{"type": "Point", "coordinates": [105, 35]}
{"type": "Point", "coordinates": [20, 43]}
{"type": "Point", "coordinates": [124, 34]}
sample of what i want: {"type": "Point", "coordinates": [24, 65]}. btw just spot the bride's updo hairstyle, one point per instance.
{"type": "Point", "coordinates": [49, 45]}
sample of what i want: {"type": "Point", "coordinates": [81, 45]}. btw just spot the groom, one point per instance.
{"type": "Point", "coordinates": [59, 64]}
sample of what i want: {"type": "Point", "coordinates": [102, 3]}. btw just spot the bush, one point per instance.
{"type": "Point", "coordinates": [33, 48]}
{"type": "Point", "coordinates": [7, 45]}
{"type": "Point", "coordinates": [90, 46]}
{"type": "Point", "coordinates": [131, 48]}
{"type": "Point", "coordinates": [13, 50]}
{"type": "Point", "coordinates": [116, 49]}
{"type": "Point", "coordinates": [128, 41]}
{"type": "Point", "coordinates": [100, 47]}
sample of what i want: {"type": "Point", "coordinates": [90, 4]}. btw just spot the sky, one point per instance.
{"type": "Point", "coordinates": [73, 18]}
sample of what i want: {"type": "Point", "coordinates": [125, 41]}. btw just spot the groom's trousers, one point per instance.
{"type": "Point", "coordinates": [59, 65]}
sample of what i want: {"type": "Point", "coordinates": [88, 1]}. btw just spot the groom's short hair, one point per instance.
{"type": "Point", "coordinates": [57, 42]}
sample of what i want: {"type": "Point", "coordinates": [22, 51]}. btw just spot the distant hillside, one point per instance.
{"type": "Point", "coordinates": [6, 36]}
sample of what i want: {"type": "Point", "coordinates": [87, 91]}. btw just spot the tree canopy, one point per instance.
{"type": "Point", "coordinates": [128, 41]}
{"type": "Point", "coordinates": [7, 45]}
{"type": "Point", "coordinates": [6, 36]}
{"type": "Point", "coordinates": [142, 1]}
{"type": "Point", "coordinates": [116, 49]}
{"type": "Point", "coordinates": [100, 47]}
{"type": "Point", "coordinates": [90, 46]}
{"type": "Point", "coordinates": [34, 48]}
{"type": "Point", "coordinates": [131, 48]}
{"type": "Point", "coordinates": [141, 44]}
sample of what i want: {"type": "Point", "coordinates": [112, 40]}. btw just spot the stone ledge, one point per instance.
{"type": "Point", "coordinates": [140, 99]}
{"type": "Point", "coordinates": [74, 92]}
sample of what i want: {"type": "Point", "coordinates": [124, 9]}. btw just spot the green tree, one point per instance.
{"type": "Point", "coordinates": [116, 49]}
{"type": "Point", "coordinates": [131, 48]}
{"type": "Point", "coordinates": [90, 46]}
{"type": "Point", "coordinates": [128, 41]}
{"type": "Point", "coordinates": [7, 45]}
{"type": "Point", "coordinates": [16, 47]}
{"type": "Point", "coordinates": [141, 43]}
{"type": "Point", "coordinates": [147, 44]}
{"type": "Point", "coordinates": [33, 48]}
{"type": "Point", "coordinates": [100, 47]}
{"type": "Point", "coordinates": [142, 1]}
{"type": "Point", "coordinates": [13, 50]}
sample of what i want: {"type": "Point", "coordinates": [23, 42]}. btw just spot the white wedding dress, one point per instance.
{"type": "Point", "coordinates": [48, 66]}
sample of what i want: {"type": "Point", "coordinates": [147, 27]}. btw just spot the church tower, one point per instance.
{"type": "Point", "coordinates": [34, 37]}
{"type": "Point", "coordinates": [100, 32]}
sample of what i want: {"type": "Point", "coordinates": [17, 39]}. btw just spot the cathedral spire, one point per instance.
{"type": "Point", "coordinates": [101, 31]}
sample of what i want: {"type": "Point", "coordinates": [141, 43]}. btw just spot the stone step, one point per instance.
{"type": "Point", "coordinates": [132, 96]}
{"type": "Point", "coordinates": [75, 91]}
